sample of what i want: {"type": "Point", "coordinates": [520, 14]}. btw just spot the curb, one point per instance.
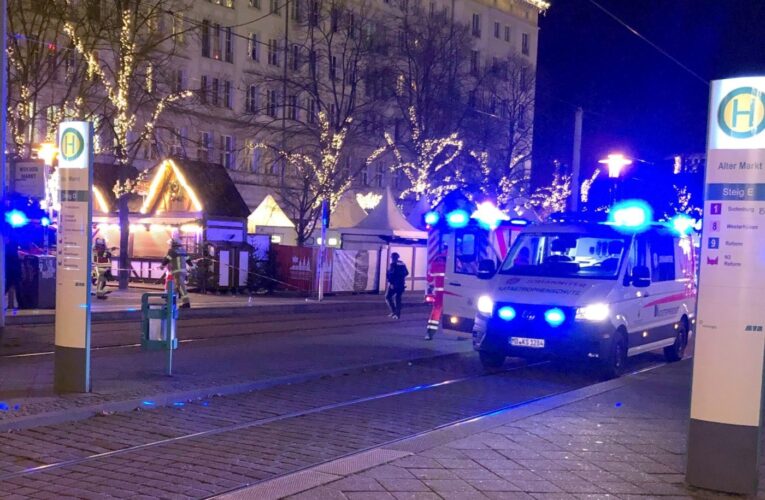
{"type": "Point", "coordinates": [328, 472]}
{"type": "Point", "coordinates": [168, 399]}
{"type": "Point", "coordinates": [134, 314]}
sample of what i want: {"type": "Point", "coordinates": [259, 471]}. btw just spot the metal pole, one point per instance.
{"type": "Point", "coordinates": [322, 246]}
{"type": "Point", "coordinates": [576, 162]}
{"type": "Point", "coordinates": [3, 143]}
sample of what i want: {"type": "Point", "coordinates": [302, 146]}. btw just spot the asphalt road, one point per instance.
{"type": "Point", "coordinates": [195, 449]}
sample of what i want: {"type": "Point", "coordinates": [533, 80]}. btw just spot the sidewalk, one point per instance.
{"type": "Point", "coordinates": [126, 305]}
{"type": "Point", "coordinates": [624, 438]}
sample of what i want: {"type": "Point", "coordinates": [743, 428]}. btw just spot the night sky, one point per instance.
{"type": "Point", "coordinates": [636, 100]}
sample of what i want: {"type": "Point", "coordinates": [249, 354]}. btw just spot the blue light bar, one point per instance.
{"type": "Point", "coordinates": [457, 218]}
{"type": "Point", "coordinates": [432, 218]}
{"type": "Point", "coordinates": [45, 222]}
{"type": "Point", "coordinates": [683, 224]}
{"type": "Point", "coordinates": [555, 317]}
{"type": "Point", "coordinates": [507, 313]}
{"type": "Point", "coordinates": [631, 216]}
{"type": "Point", "coordinates": [519, 222]}
{"type": "Point", "coordinates": [16, 218]}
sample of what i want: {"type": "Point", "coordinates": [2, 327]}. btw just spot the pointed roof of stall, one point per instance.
{"type": "Point", "coordinates": [386, 220]}
{"type": "Point", "coordinates": [347, 213]}
{"type": "Point", "coordinates": [206, 187]}
{"type": "Point", "coordinates": [268, 213]}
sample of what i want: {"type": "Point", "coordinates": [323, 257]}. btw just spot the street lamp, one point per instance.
{"type": "Point", "coordinates": [615, 164]}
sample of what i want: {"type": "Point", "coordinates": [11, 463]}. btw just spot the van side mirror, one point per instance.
{"type": "Point", "coordinates": [641, 276]}
{"type": "Point", "coordinates": [486, 269]}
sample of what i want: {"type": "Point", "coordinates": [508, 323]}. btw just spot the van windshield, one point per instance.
{"type": "Point", "coordinates": [566, 255]}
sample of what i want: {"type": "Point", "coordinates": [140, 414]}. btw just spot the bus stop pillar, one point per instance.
{"type": "Point", "coordinates": [727, 387]}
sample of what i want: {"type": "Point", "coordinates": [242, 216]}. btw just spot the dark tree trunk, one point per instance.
{"type": "Point", "coordinates": [124, 258]}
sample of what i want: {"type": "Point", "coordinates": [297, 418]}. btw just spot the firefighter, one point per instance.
{"type": "Point", "coordinates": [436, 279]}
{"type": "Point", "coordinates": [178, 261]}
{"type": "Point", "coordinates": [102, 267]}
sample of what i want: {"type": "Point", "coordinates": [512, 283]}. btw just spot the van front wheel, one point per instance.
{"type": "Point", "coordinates": [616, 362]}
{"type": "Point", "coordinates": [676, 351]}
{"type": "Point", "coordinates": [491, 360]}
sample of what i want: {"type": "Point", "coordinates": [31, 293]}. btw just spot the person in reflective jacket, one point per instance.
{"type": "Point", "coordinates": [177, 262]}
{"type": "Point", "coordinates": [397, 273]}
{"type": "Point", "coordinates": [102, 267]}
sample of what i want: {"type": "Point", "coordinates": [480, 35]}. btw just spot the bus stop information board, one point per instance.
{"type": "Point", "coordinates": [723, 448]}
{"type": "Point", "coordinates": [73, 258]}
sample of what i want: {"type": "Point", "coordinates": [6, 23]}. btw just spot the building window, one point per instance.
{"type": "Point", "coordinates": [525, 44]}
{"type": "Point", "coordinates": [179, 82]}
{"type": "Point", "coordinates": [224, 3]}
{"type": "Point", "coordinates": [379, 176]}
{"type": "Point", "coordinates": [476, 26]}
{"type": "Point", "coordinates": [228, 95]}
{"type": "Point", "coordinates": [475, 57]}
{"type": "Point", "coordinates": [496, 29]}
{"type": "Point", "coordinates": [507, 33]}
{"type": "Point", "coordinates": [215, 32]}
{"type": "Point", "coordinates": [364, 175]}
{"type": "Point", "coordinates": [227, 151]}
{"type": "Point", "coordinates": [295, 58]}
{"type": "Point", "coordinates": [274, 7]}
{"type": "Point", "coordinates": [204, 146]}
{"type": "Point", "coordinates": [203, 89]}
{"type": "Point", "coordinates": [272, 102]}
{"type": "Point", "coordinates": [179, 29]}
{"type": "Point", "coordinates": [205, 38]}
{"type": "Point", "coordinates": [253, 52]}
{"type": "Point", "coordinates": [254, 3]}
{"type": "Point", "coordinates": [297, 11]}
{"type": "Point", "coordinates": [432, 10]}
{"type": "Point", "coordinates": [178, 146]}
{"type": "Point", "coordinates": [229, 44]}
{"type": "Point", "coordinates": [273, 52]}
{"type": "Point", "coordinates": [292, 106]}
{"type": "Point", "coordinates": [251, 102]}
{"type": "Point", "coordinates": [312, 62]}
{"type": "Point", "coordinates": [215, 97]}
{"type": "Point", "coordinates": [150, 149]}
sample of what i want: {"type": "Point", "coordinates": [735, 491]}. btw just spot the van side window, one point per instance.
{"type": "Point", "coordinates": [662, 258]}
{"type": "Point", "coordinates": [465, 258]}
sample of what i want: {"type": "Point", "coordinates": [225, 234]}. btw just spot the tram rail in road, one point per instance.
{"type": "Point", "coordinates": [213, 446]}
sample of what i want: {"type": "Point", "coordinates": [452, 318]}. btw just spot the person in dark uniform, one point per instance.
{"type": "Point", "coordinates": [177, 261]}
{"type": "Point", "coordinates": [102, 267]}
{"type": "Point", "coordinates": [397, 273]}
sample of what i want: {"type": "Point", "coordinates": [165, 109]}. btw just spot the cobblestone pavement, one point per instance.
{"type": "Point", "coordinates": [237, 351]}
{"type": "Point", "coordinates": [201, 448]}
{"type": "Point", "coordinates": [627, 442]}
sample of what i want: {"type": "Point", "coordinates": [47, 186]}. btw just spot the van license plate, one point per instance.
{"type": "Point", "coordinates": [526, 342]}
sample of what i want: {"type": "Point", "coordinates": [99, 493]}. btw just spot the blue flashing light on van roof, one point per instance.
{"type": "Point", "coordinates": [631, 216]}
{"type": "Point", "coordinates": [683, 224]}
{"type": "Point", "coordinates": [16, 218]}
{"type": "Point", "coordinates": [488, 215]}
{"type": "Point", "coordinates": [519, 222]}
{"type": "Point", "coordinates": [457, 218]}
{"type": "Point", "coordinates": [432, 218]}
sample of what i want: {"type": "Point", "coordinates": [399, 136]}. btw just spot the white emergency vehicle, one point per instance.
{"type": "Point", "coordinates": [603, 291]}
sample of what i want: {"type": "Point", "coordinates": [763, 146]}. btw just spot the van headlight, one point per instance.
{"type": "Point", "coordinates": [485, 305]}
{"type": "Point", "coordinates": [593, 312]}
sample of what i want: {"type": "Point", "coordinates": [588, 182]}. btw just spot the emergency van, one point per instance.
{"type": "Point", "coordinates": [588, 290]}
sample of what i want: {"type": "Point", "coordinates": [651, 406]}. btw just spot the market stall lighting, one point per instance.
{"type": "Point", "coordinates": [191, 228]}
{"type": "Point", "coordinates": [103, 206]}
{"type": "Point", "coordinates": [165, 167]}
{"type": "Point", "coordinates": [47, 152]}
{"type": "Point", "coordinates": [631, 216]}
{"type": "Point", "coordinates": [457, 218]}
{"type": "Point", "coordinates": [368, 201]}
{"type": "Point", "coordinates": [615, 163]}
{"type": "Point", "coordinates": [16, 218]}
{"type": "Point", "coordinates": [489, 215]}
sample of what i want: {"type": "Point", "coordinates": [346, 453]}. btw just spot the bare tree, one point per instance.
{"type": "Point", "coordinates": [131, 44]}
{"type": "Point", "coordinates": [326, 106]}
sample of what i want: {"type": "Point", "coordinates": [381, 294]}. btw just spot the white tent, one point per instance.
{"type": "Point", "coordinates": [386, 221]}
{"type": "Point", "coordinates": [268, 214]}
{"type": "Point", "coordinates": [347, 213]}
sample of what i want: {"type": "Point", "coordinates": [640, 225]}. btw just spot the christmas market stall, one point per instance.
{"type": "Point", "coordinates": [194, 202]}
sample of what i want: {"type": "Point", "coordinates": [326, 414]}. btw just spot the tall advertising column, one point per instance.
{"type": "Point", "coordinates": [73, 258]}
{"type": "Point", "coordinates": [726, 397]}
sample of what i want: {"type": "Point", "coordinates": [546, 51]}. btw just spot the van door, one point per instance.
{"type": "Point", "coordinates": [667, 291]}
{"type": "Point", "coordinates": [461, 285]}
{"type": "Point", "coordinates": [634, 297]}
